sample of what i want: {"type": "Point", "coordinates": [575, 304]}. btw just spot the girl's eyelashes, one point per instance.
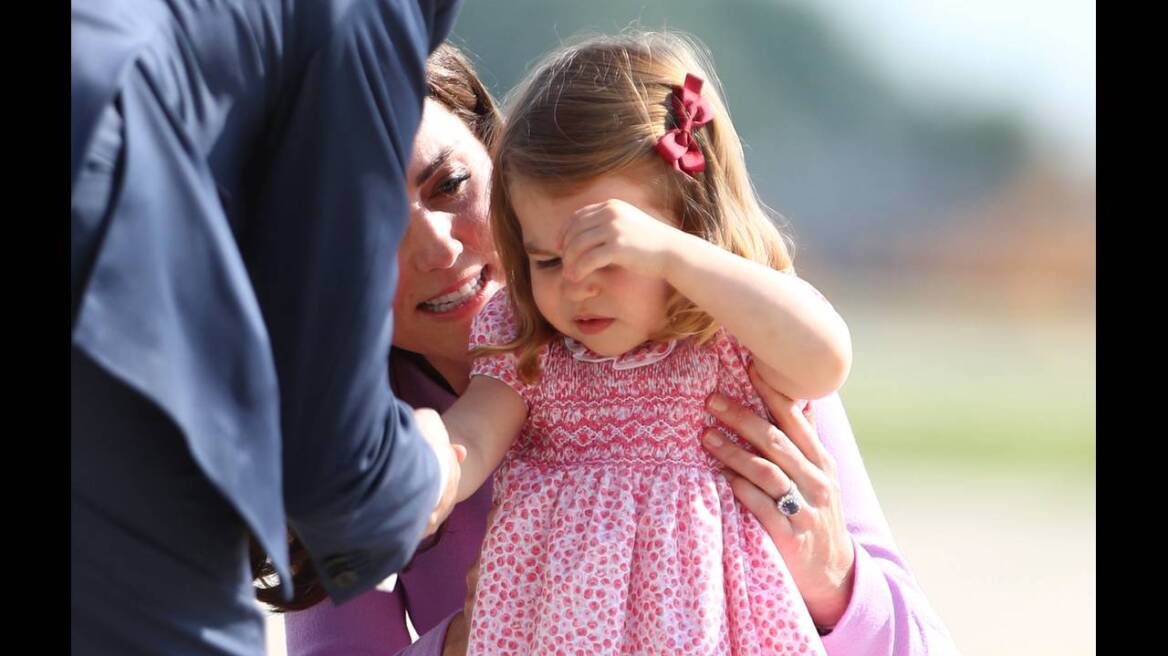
{"type": "Point", "coordinates": [549, 263]}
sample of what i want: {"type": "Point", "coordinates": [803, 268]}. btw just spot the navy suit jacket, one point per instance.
{"type": "Point", "coordinates": [243, 277]}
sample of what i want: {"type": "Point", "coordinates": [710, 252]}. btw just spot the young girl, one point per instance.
{"type": "Point", "coordinates": [643, 275]}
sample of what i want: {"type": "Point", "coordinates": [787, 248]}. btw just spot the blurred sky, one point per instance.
{"type": "Point", "coordinates": [1036, 57]}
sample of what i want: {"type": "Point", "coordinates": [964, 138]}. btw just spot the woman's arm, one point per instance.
{"type": "Point", "coordinates": [838, 547]}
{"type": "Point", "coordinates": [371, 624]}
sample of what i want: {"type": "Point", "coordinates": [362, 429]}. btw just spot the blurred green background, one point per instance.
{"type": "Point", "coordinates": [935, 163]}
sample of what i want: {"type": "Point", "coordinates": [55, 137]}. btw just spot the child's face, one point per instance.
{"type": "Point", "coordinates": [612, 310]}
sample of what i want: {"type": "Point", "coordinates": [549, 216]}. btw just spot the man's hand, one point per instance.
{"type": "Point", "coordinates": [450, 458]}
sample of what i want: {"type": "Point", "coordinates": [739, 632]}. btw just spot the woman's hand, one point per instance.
{"type": "Point", "coordinates": [814, 541]}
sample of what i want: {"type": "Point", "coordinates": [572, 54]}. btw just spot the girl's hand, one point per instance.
{"type": "Point", "coordinates": [617, 233]}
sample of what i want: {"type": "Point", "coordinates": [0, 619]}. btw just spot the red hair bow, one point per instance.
{"type": "Point", "coordinates": [691, 110]}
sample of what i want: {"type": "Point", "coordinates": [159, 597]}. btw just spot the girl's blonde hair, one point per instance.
{"type": "Point", "coordinates": [598, 108]}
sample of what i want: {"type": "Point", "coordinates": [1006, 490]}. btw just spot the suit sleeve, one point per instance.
{"type": "Point", "coordinates": [359, 480]}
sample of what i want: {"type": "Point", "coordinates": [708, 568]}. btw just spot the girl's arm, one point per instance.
{"type": "Point", "coordinates": [781, 319]}
{"type": "Point", "coordinates": [803, 342]}
{"type": "Point", "coordinates": [485, 420]}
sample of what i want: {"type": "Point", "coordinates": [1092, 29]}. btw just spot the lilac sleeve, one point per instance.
{"type": "Point", "coordinates": [372, 624]}
{"type": "Point", "coordinates": [431, 642]}
{"type": "Point", "coordinates": [888, 614]}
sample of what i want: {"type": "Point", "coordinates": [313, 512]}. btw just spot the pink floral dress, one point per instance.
{"type": "Point", "coordinates": [614, 531]}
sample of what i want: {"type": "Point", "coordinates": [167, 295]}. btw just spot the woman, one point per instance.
{"type": "Point", "coordinates": [838, 546]}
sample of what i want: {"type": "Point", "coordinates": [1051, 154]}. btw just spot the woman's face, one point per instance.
{"type": "Point", "coordinates": [447, 266]}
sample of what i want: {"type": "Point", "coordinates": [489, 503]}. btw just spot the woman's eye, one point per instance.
{"type": "Point", "coordinates": [452, 184]}
{"type": "Point", "coordinates": [547, 264]}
